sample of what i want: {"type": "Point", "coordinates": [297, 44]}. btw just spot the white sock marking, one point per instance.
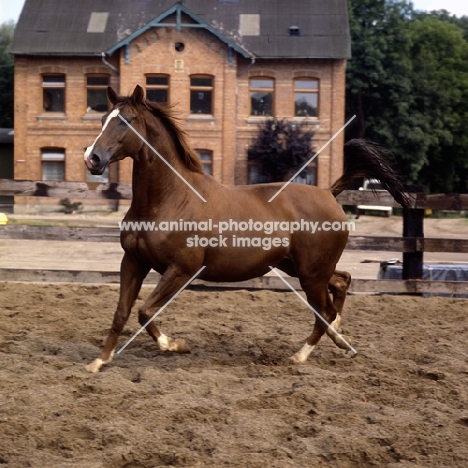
{"type": "Point", "coordinates": [95, 365]}
{"type": "Point", "coordinates": [89, 149]}
{"type": "Point", "coordinates": [336, 323]}
{"type": "Point", "coordinates": [110, 358]}
{"type": "Point", "coordinates": [163, 342]}
{"type": "Point", "coordinates": [98, 363]}
{"type": "Point", "coordinates": [304, 353]}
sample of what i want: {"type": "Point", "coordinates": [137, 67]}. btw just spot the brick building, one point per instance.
{"type": "Point", "coordinates": [227, 64]}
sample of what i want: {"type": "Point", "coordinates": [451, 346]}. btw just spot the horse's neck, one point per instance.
{"type": "Point", "coordinates": [154, 183]}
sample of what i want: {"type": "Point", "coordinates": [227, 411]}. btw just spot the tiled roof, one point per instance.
{"type": "Point", "coordinates": [255, 28]}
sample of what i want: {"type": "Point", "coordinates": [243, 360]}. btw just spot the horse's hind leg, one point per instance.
{"type": "Point", "coordinates": [338, 286]}
{"type": "Point", "coordinates": [132, 275]}
{"type": "Point", "coordinates": [319, 298]}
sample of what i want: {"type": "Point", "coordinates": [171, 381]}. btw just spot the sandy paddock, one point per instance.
{"type": "Point", "coordinates": [236, 400]}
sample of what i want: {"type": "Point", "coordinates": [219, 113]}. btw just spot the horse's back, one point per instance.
{"type": "Point", "coordinates": [295, 200]}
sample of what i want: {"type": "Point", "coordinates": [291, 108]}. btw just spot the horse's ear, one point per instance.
{"type": "Point", "coordinates": [138, 95]}
{"type": "Point", "coordinates": [112, 96]}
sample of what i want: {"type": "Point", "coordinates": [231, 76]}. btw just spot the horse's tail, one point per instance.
{"type": "Point", "coordinates": [364, 159]}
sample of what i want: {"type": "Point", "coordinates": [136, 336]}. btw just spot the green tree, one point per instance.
{"type": "Point", "coordinates": [444, 15]}
{"type": "Point", "coordinates": [6, 75]}
{"type": "Point", "coordinates": [439, 55]}
{"type": "Point", "coordinates": [378, 78]}
{"type": "Point", "coordinates": [407, 84]}
{"type": "Point", "coordinates": [280, 148]}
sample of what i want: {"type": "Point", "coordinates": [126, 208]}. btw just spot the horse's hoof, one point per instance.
{"type": "Point", "coordinates": [297, 359]}
{"type": "Point", "coordinates": [179, 345]}
{"type": "Point", "coordinates": [94, 366]}
{"type": "Point", "coordinates": [343, 344]}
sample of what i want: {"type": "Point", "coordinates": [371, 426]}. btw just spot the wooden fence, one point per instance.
{"type": "Point", "coordinates": [412, 243]}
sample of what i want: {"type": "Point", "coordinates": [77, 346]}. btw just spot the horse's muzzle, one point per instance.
{"type": "Point", "coordinates": [94, 164]}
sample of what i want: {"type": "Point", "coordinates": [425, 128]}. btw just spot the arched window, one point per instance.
{"type": "Point", "coordinates": [157, 88]}
{"type": "Point", "coordinates": [53, 93]}
{"type": "Point", "coordinates": [262, 92]}
{"type": "Point", "coordinates": [306, 97]}
{"type": "Point", "coordinates": [96, 93]}
{"type": "Point", "coordinates": [206, 157]}
{"type": "Point", "coordinates": [201, 94]}
{"type": "Point", "coordinates": [308, 176]}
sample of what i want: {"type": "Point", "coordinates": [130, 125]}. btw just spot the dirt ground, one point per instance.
{"type": "Point", "coordinates": [236, 400]}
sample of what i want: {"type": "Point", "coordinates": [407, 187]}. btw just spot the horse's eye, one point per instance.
{"type": "Point", "coordinates": [124, 121]}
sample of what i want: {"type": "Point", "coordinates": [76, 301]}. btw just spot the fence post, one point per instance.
{"type": "Point", "coordinates": [413, 226]}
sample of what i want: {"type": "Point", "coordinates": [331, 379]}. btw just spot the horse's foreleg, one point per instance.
{"type": "Point", "coordinates": [169, 284]}
{"type": "Point", "coordinates": [131, 278]}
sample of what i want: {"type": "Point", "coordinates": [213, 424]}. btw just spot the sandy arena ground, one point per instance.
{"type": "Point", "coordinates": [236, 400]}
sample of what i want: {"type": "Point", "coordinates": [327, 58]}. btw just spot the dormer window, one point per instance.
{"type": "Point", "coordinates": [294, 31]}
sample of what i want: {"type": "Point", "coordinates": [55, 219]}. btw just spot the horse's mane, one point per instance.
{"type": "Point", "coordinates": [171, 123]}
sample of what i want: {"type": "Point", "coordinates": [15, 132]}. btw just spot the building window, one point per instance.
{"type": "Point", "coordinates": [306, 97]}
{"type": "Point", "coordinates": [98, 178]}
{"type": "Point", "coordinates": [96, 93]}
{"type": "Point", "coordinates": [157, 88]}
{"type": "Point", "coordinates": [255, 174]}
{"type": "Point", "coordinates": [308, 176]}
{"type": "Point", "coordinates": [53, 164]}
{"type": "Point", "coordinates": [261, 96]}
{"type": "Point", "coordinates": [294, 31]}
{"type": "Point", "coordinates": [201, 95]}
{"type": "Point", "coordinates": [53, 93]}
{"type": "Point", "coordinates": [206, 157]}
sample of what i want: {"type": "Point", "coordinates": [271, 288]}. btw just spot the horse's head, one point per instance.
{"type": "Point", "coordinates": [116, 140]}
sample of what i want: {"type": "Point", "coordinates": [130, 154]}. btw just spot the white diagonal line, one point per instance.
{"type": "Point", "coordinates": [339, 335]}
{"type": "Point", "coordinates": [156, 152]}
{"type": "Point", "coordinates": [312, 158]}
{"type": "Point", "coordinates": [161, 309]}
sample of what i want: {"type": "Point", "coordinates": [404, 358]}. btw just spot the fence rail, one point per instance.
{"type": "Point", "coordinates": [265, 282]}
{"type": "Point", "coordinates": [112, 234]}
{"type": "Point", "coordinates": [412, 245]}
{"type": "Point", "coordinates": [114, 191]}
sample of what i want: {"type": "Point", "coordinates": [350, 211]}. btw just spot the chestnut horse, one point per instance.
{"type": "Point", "coordinates": [168, 184]}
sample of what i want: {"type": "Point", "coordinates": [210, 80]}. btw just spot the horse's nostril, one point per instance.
{"type": "Point", "coordinates": [95, 159]}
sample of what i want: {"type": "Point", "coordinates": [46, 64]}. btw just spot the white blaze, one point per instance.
{"type": "Point", "coordinates": [89, 149]}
